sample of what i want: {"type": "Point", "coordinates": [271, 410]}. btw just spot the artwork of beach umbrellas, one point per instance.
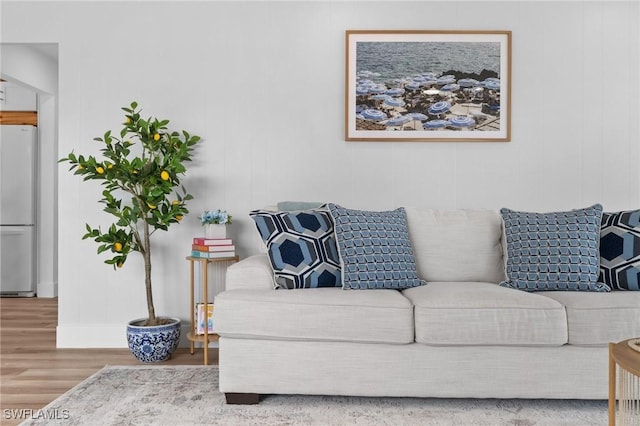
{"type": "Point", "coordinates": [462, 121]}
{"type": "Point", "coordinates": [439, 107]}
{"type": "Point", "coordinates": [393, 102]}
{"type": "Point", "coordinates": [427, 81]}
{"type": "Point", "coordinates": [395, 92]}
{"type": "Point", "coordinates": [435, 124]}
{"type": "Point", "coordinates": [468, 82]}
{"type": "Point", "coordinates": [491, 84]}
{"type": "Point", "coordinates": [402, 80]}
{"type": "Point", "coordinates": [366, 83]}
{"type": "Point", "coordinates": [446, 79]}
{"type": "Point", "coordinates": [427, 92]}
{"type": "Point", "coordinates": [374, 115]}
{"type": "Point", "coordinates": [379, 89]}
{"type": "Point", "coordinates": [417, 116]}
{"type": "Point", "coordinates": [450, 87]}
{"type": "Point", "coordinates": [478, 93]}
{"type": "Point", "coordinates": [398, 121]}
{"type": "Point", "coordinates": [367, 73]}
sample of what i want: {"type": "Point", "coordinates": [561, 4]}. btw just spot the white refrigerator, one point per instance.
{"type": "Point", "coordinates": [18, 155]}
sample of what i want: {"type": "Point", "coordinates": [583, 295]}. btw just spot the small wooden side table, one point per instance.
{"type": "Point", "coordinates": [628, 361]}
{"type": "Point", "coordinates": [206, 337]}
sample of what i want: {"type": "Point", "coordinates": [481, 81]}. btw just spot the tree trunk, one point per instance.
{"type": "Point", "coordinates": [152, 320]}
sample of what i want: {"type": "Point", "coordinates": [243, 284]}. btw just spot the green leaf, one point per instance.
{"type": "Point", "coordinates": [131, 178]}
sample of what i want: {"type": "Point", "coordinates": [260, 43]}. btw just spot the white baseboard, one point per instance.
{"type": "Point", "coordinates": [91, 336]}
{"type": "Point", "coordinates": [47, 289]}
{"type": "Point", "coordinates": [104, 336]}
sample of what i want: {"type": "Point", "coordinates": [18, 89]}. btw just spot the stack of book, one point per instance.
{"type": "Point", "coordinates": [212, 248]}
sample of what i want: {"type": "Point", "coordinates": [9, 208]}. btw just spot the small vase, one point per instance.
{"type": "Point", "coordinates": [215, 230]}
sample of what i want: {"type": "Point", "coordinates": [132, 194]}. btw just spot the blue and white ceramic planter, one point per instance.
{"type": "Point", "coordinates": [153, 344]}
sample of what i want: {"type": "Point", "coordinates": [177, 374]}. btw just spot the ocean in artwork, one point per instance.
{"type": "Point", "coordinates": [404, 59]}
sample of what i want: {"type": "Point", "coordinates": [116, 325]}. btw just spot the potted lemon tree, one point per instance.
{"type": "Point", "coordinates": [140, 171]}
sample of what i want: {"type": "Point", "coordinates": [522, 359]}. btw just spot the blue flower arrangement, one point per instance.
{"type": "Point", "coordinates": [216, 217]}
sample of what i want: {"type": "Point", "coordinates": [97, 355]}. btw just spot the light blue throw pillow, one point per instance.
{"type": "Point", "coordinates": [553, 251]}
{"type": "Point", "coordinates": [374, 248]}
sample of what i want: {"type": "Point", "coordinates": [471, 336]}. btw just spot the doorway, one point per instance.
{"type": "Point", "coordinates": [34, 66]}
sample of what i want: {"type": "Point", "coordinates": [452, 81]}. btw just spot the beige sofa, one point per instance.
{"type": "Point", "coordinates": [460, 336]}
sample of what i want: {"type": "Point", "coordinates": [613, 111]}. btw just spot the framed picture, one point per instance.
{"type": "Point", "coordinates": [428, 86]}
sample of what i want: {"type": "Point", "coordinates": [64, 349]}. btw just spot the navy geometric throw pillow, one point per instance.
{"type": "Point", "coordinates": [553, 251]}
{"type": "Point", "coordinates": [301, 247]}
{"type": "Point", "coordinates": [620, 250]}
{"type": "Point", "coordinates": [375, 249]}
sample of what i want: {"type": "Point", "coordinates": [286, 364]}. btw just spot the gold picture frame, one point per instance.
{"type": "Point", "coordinates": [444, 86]}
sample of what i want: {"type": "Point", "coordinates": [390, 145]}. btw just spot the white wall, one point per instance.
{"type": "Point", "coordinates": [263, 84]}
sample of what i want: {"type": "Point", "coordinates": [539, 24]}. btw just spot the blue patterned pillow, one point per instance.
{"type": "Point", "coordinates": [375, 250]}
{"type": "Point", "coordinates": [553, 251]}
{"type": "Point", "coordinates": [301, 246]}
{"type": "Point", "coordinates": [620, 250]}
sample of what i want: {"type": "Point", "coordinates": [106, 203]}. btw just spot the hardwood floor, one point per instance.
{"type": "Point", "coordinates": [33, 372]}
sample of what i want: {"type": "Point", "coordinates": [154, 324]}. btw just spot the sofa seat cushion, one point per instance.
{"type": "Point", "coordinates": [599, 318]}
{"type": "Point", "coordinates": [332, 314]}
{"type": "Point", "coordinates": [473, 313]}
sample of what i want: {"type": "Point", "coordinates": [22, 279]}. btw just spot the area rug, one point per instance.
{"type": "Point", "coordinates": [188, 395]}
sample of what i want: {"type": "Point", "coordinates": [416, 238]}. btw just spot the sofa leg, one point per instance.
{"type": "Point", "coordinates": [242, 398]}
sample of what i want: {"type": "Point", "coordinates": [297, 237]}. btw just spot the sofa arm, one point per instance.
{"type": "Point", "coordinates": [252, 273]}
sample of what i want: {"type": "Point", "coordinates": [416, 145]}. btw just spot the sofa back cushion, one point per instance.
{"type": "Point", "coordinates": [461, 245]}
